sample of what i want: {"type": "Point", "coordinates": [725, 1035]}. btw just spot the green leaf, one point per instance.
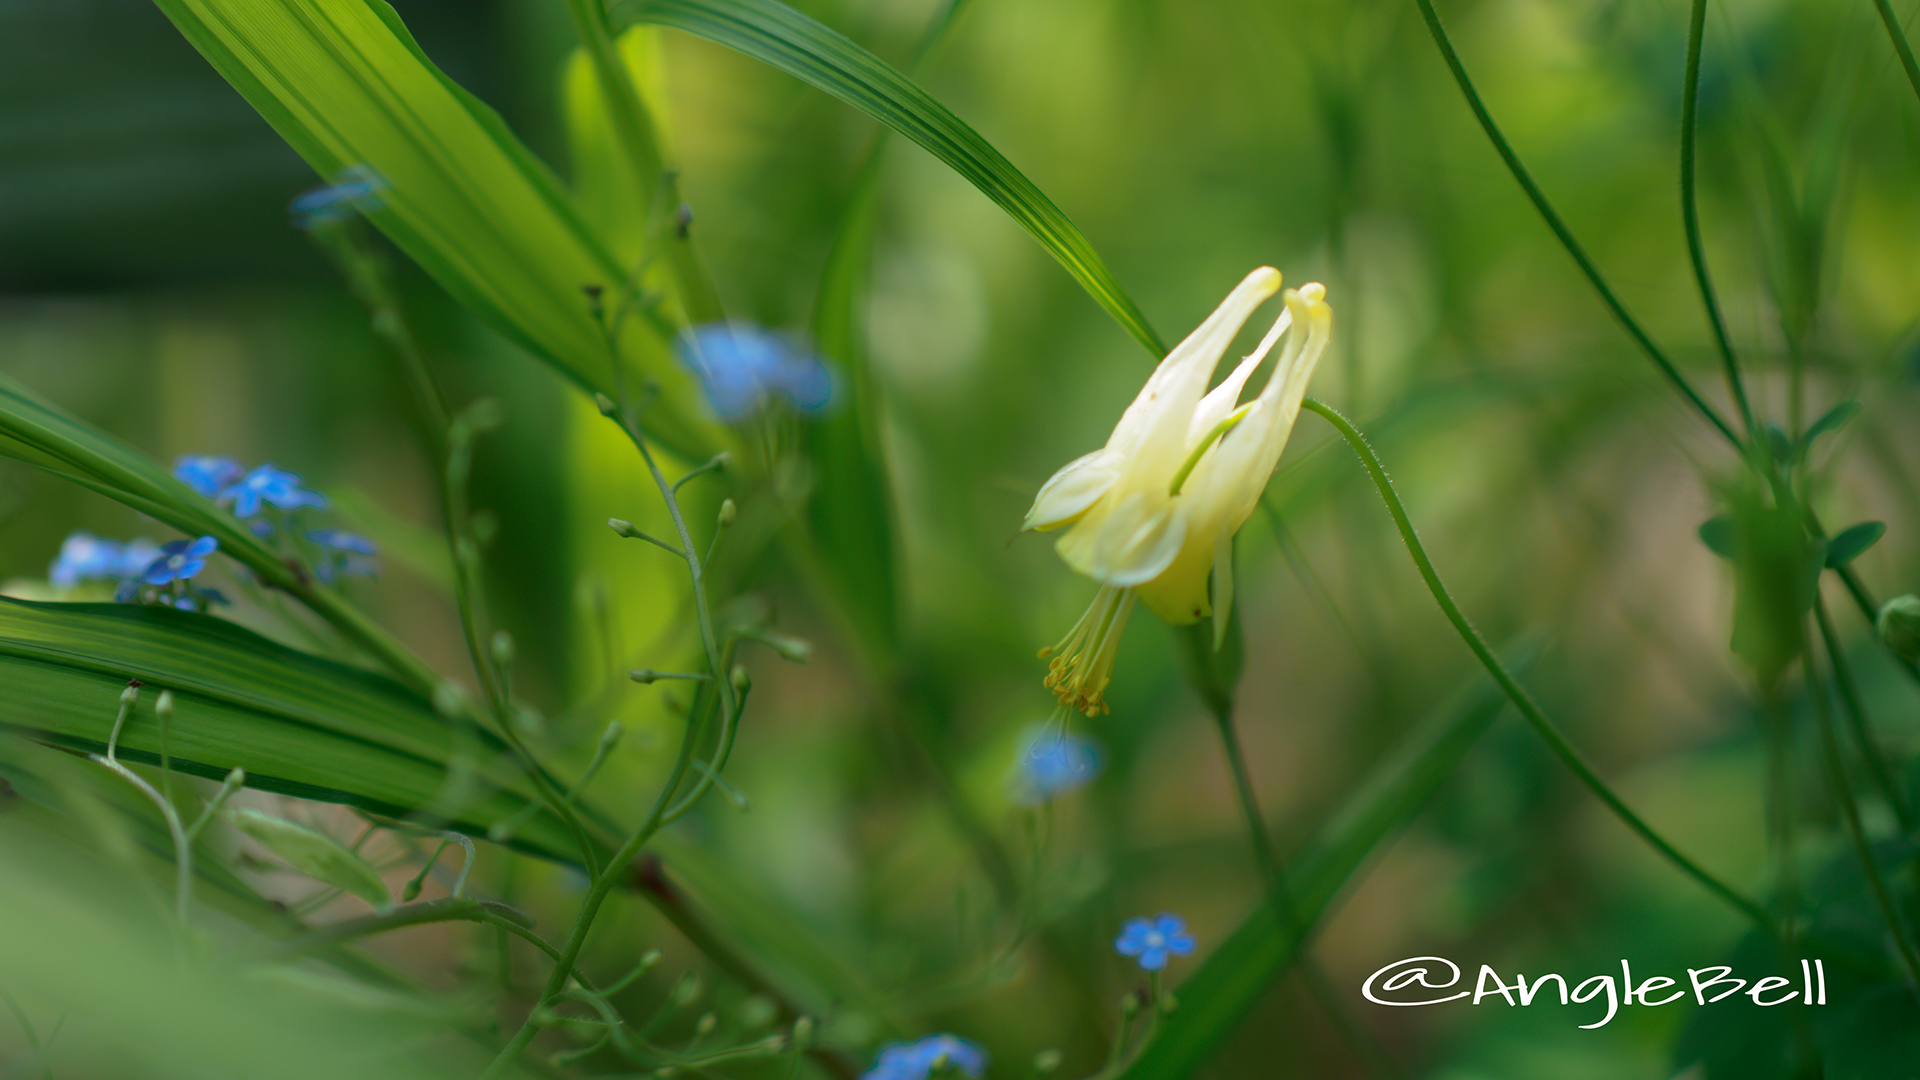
{"type": "Point", "coordinates": [345, 85]}
{"type": "Point", "coordinates": [1832, 420]}
{"type": "Point", "coordinates": [851, 519]}
{"type": "Point", "coordinates": [781, 37]}
{"type": "Point", "coordinates": [37, 432]}
{"type": "Point", "coordinates": [1721, 536]}
{"type": "Point", "coordinates": [298, 724]}
{"type": "Point", "coordinates": [1852, 542]}
{"type": "Point", "coordinates": [314, 854]}
{"type": "Point", "coordinates": [1239, 970]}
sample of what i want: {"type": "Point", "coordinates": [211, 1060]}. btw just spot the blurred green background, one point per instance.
{"type": "Point", "coordinates": [150, 282]}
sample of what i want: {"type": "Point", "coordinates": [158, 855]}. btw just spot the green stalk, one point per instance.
{"type": "Point", "coordinates": [1280, 895]}
{"type": "Point", "coordinates": [1690, 214]}
{"type": "Point", "coordinates": [1560, 229]}
{"type": "Point", "coordinates": [1857, 719]}
{"type": "Point", "coordinates": [1850, 810]}
{"type": "Point", "coordinates": [1543, 726]}
{"type": "Point", "coordinates": [1899, 44]}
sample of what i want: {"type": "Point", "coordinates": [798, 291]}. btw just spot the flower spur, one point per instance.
{"type": "Point", "coordinates": [1151, 515]}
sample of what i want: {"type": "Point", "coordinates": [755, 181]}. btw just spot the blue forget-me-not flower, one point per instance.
{"type": "Point", "coordinates": [180, 560]}
{"type": "Point", "coordinates": [348, 554]}
{"type": "Point", "coordinates": [740, 365]}
{"type": "Point", "coordinates": [206, 474]}
{"type": "Point", "coordinates": [1054, 763]}
{"type": "Point", "coordinates": [916, 1060]}
{"type": "Point", "coordinates": [272, 485]}
{"type": "Point", "coordinates": [85, 556]}
{"type": "Point", "coordinates": [1154, 940]}
{"type": "Point", "coordinates": [356, 189]}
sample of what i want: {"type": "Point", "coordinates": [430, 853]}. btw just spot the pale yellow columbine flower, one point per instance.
{"type": "Point", "coordinates": [1153, 512]}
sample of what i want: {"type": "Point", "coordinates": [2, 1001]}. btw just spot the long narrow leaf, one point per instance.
{"type": "Point", "coordinates": [346, 85]}
{"type": "Point", "coordinates": [781, 37]}
{"type": "Point", "coordinates": [37, 432]}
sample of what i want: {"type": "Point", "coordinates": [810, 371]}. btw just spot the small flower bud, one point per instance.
{"type": "Point", "coordinates": [729, 513]}
{"type": "Point", "coordinates": [502, 647]}
{"type": "Point", "coordinates": [1130, 1006]}
{"type": "Point", "coordinates": [611, 736]}
{"type": "Point", "coordinates": [742, 682]}
{"type": "Point", "coordinates": [484, 415]}
{"type": "Point", "coordinates": [1168, 1003]}
{"type": "Point", "coordinates": [1899, 626]}
{"type": "Point", "coordinates": [483, 526]}
{"type": "Point", "coordinates": [449, 700]}
{"type": "Point", "coordinates": [163, 708]}
{"type": "Point", "coordinates": [131, 694]}
{"type": "Point", "coordinates": [622, 528]}
{"type": "Point", "coordinates": [1046, 1061]}
{"type": "Point", "coordinates": [605, 405]}
{"type": "Point", "coordinates": [803, 1031]}
{"type": "Point", "coordinates": [706, 1024]}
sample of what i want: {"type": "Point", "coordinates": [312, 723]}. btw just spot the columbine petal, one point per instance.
{"type": "Point", "coordinates": [1070, 492]}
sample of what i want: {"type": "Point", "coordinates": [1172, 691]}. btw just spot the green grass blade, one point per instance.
{"type": "Point", "coordinates": [298, 724]}
{"type": "Point", "coordinates": [1240, 970]}
{"type": "Point", "coordinates": [784, 38]}
{"type": "Point", "coordinates": [344, 84]}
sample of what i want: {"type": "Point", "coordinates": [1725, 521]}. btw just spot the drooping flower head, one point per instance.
{"type": "Point", "coordinates": [1154, 940]}
{"type": "Point", "coordinates": [266, 483]}
{"type": "Point", "coordinates": [1055, 762]}
{"type": "Point", "coordinates": [1151, 515]}
{"type": "Point", "coordinates": [740, 365]}
{"type": "Point", "coordinates": [917, 1060]}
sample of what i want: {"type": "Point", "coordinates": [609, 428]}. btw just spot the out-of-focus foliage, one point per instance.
{"type": "Point", "coordinates": [890, 878]}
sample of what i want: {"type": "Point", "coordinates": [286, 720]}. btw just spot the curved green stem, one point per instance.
{"type": "Point", "coordinates": [1690, 214]}
{"type": "Point", "coordinates": [1857, 719]}
{"type": "Point", "coordinates": [1850, 811]}
{"type": "Point", "coordinates": [1523, 701]}
{"type": "Point", "coordinates": [1900, 43]}
{"type": "Point", "coordinates": [1560, 229]}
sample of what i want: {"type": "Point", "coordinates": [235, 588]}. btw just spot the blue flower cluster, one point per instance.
{"type": "Point", "coordinates": [741, 366]}
{"type": "Point", "coordinates": [146, 572]}
{"type": "Point", "coordinates": [1054, 763]}
{"type": "Point", "coordinates": [919, 1060]}
{"type": "Point", "coordinates": [335, 553]}
{"type": "Point", "coordinates": [1154, 940]}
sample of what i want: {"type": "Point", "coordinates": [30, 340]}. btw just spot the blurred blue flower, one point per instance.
{"type": "Point", "coordinates": [1154, 940]}
{"type": "Point", "coordinates": [1054, 763]}
{"type": "Point", "coordinates": [83, 556]}
{"type": "Point", "coordinates": [355, 189]}
{"type": "Point", "coordinates": [340, 540]}
{"type": "Point", "coordinates": [282, 489]}
{"type": "Point", "coordinates": [180, 560]}
{"type": "Point", "coordinates": [207, 475]}
{"type": "Point", "coordinates": [348, 554]}
{"type": "Point", "coordinates": [739, 364]}
{"type": "Point", "coordinates": [916, 1060]}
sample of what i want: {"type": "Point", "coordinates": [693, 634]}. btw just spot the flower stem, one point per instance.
{"type": "Point", "coordinates": [1857, 719]}
{"type": "Point", "coordinates": [1281, 897]}
{"type": "Point", "coordinates": [1850, 810]}
{"type": "Point", "coordinates": [1542, 725]}
{"type": "Point", "coordinates": [1690, 214]}
{"type": "Point", "coordinates": [1899, 43]}
{"type": "Point", "coordinates": [1560, 229]}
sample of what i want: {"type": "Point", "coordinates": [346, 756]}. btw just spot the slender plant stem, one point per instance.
{"type": "Point", "coordinates": [1690, 213]}
{"type": "Point", "coordinates": [1850, 810]}
{"type": "Point", "coordinates": [1280, 895]}
{"type": "Point", "coordinates": [1857, 720]}
{"type": "Point", "coordinates": [1900, 44]}
{"type": "Point", "coordinates": [1560, 229]}
{"type": "Point", "coordinates": [1523, 701]}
